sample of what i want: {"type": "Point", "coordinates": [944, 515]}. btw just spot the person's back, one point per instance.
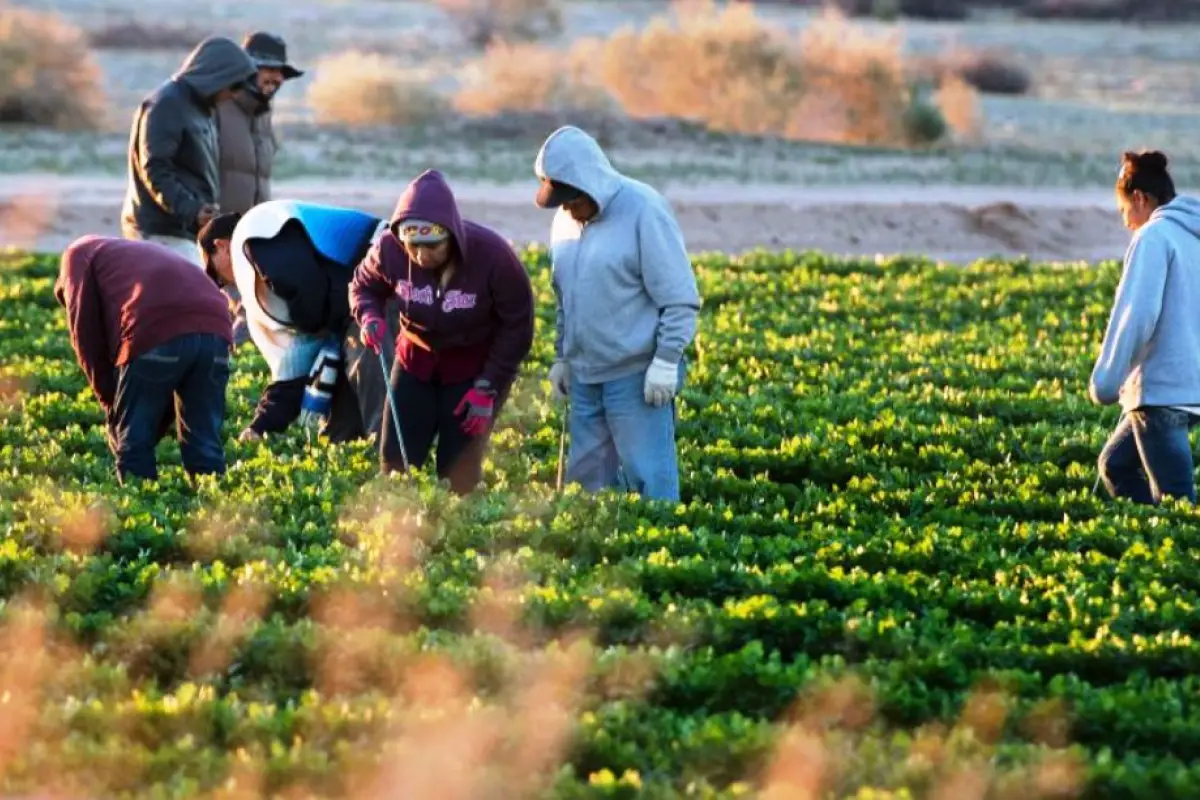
{"type": "Point", "coordinates": [148, 328]}
{"type": "Point", "coordinates": [146, 296]}
{"type": "Point", "coordinates": [291, 262]}
{"type": "Point", "coordinates": [173, 183]}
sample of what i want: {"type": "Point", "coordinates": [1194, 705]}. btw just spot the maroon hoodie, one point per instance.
{"type": "Point", "coordinates": [125, 297]}
{"type": "Point", "coordinates": [480, 325]}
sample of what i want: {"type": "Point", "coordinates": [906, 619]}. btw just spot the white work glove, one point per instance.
{"type": "Point", "coordinates": [560, 379]}
{"type": "Point", "coordinates": [662, 378]}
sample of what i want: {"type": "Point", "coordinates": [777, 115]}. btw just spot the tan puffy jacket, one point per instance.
{"type": "Point", "coordinates": [248, 147]}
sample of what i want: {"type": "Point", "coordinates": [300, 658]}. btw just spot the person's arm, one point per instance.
{"type": "Point", "coordinates": [669, 279]}
{"type": "Point", "coordinates": [1135, 313]}
{"type": "Point", "coordinates": [85, 317]}
{"type": "Point", "coordinates": [159, 139]}
{"type": "Point", "coordinates": [512, 304]}
{"type": "Point", "coordinates": [370, 287]}
{"type": "Point", "coordinates": [279, 406]}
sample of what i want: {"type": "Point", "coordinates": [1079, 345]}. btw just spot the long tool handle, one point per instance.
{"type": "Point", "coordinates": [387, 382]}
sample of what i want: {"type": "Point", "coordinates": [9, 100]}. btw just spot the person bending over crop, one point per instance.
{"type": "Point", "coordinates": [626, 311]}
{"type": "Point", "coordinates": [152, 334]}
{"type": "Point", "coordinates": [291, 263]}
{"type": "Point", "coordinates": [1150, 359]}
{"type": "Point", "coordinates": [466, 324]}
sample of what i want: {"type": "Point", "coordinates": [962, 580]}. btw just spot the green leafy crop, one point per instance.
{"type": "Point", "coordinates": [888, 575]}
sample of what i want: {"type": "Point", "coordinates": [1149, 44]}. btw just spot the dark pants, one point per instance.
{"type": "Point", "coordinates": [1149, 456]}
{"type": "Point", "coordinates": [427, 411]}
{"type": "Point", "coordinates": [186, 375]}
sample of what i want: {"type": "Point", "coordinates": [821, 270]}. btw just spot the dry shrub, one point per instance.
{"type": "Point", "coordinates": [366, 89]}
{"type": "Point", "coordinates": [134, 35]}
{"type": "Point", "coordinates": [486, 22]}
{"type": "Point", "coordinates": [958, 102]}
{"type": "Point", "coordinates": [734, 73]}
{"type": "Point", "coordinates": [528, 77]}
{"type": "Point", "coordinates": [48, 76]}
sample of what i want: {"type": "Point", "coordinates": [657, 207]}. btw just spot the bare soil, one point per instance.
{"type": "Point", "coordinates": [951, 223]}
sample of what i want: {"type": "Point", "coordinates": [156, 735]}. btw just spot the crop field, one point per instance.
{"type": "Point", "coordinates": [888, 575]}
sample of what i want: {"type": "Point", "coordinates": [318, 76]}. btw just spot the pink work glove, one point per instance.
{"type": "Point", "coordinates": [480, 404]}
{"type": "Point", "coordinates": [371, 332]}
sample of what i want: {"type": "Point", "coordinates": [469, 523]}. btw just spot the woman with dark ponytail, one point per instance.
{"type": "Point", "coordinates": [1149, 362]}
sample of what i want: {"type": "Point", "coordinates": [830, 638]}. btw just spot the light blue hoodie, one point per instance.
{"type": "Point", "coordinates": [1151, 350]}
{"type": "Point", "coordinates": [624, 284]}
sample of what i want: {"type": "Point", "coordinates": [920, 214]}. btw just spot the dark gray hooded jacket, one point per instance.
{"type": "Point", "coordinates": [174, 168]}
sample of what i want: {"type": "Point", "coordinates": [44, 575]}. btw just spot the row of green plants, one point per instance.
{"type": "Point", "coordinates": [888, 575]}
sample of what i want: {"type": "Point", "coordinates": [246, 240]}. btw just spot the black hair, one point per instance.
{"type": "Point", "coordinates": [218, 228]}
{"type": "Point", "coordinates": [1146, 172]}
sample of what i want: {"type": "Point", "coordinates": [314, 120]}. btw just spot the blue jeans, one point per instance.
{"type": "Point", "coordinates": [1149, 456]}
{"type": "Point", "coordinates": [186, 375]}
{"type": "Point", "coordinates": [614, 431]}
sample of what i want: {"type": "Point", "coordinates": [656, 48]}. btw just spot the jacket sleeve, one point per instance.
{"type": "Point", "coordinates": [279, 406]}
{"type": "Point", "coordinates": [85, 316]}
{"type": "Point", "coordinates": [512, 305]}
{"type": "Point", "coordinates": [159, 139]}
{"type": "Point", "coordinates": [669, 280]}
{"type": "Point", "coordinates": [1135, 313]}
{"type": "Point", "coordinates": [370, 287]}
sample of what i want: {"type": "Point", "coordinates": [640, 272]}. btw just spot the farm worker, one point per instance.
{"type": "Point", "coordinates": [174, 178]}
{"type": "Point", "coordinates": [152, 334]}
{"type": "Point", "coordinates": [247, 138]}
{"type": "Point", "coordinates": [465, 326]}
{"type": "Point", "coordinates": [292, 263]}
{"type": "Point", "coordinates": [1149, 362]}
{"type": "Point", "coordinates": [626, 310]}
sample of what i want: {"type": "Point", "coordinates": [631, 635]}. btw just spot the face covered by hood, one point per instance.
{"type": "Point", "coordinates": [1183, 211]}
{"type": "Point", "coordinates": [428, 197]}
{"type": "Point", "coordinates": [571, 156]}
{"type": "Point", "coordinates": [215, 64]}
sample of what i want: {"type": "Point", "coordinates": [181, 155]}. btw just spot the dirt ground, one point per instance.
{"type": "Point", "coordinates": [951, 223]}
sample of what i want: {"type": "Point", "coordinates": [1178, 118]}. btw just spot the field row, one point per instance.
{"type": "Point", "coordinates": [887, 522]}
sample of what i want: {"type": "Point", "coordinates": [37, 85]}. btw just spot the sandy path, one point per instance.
{"type": "Point", "coordinates": [956, 223]}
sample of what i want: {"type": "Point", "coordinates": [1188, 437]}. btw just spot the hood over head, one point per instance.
{"type": "Point", "coordinates": [429, 198]}
{"type": "Point", "coordinates": [572, 156]}
{"type": "Point", "coordinates": [1184, 210]}
{"type": "Point", "coordinates": [217, 63]}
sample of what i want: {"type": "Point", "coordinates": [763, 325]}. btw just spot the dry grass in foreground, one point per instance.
{"type": "Point", "coordinates": [441, 726]}
{"type": "Point", "coordinates": [48, 76]}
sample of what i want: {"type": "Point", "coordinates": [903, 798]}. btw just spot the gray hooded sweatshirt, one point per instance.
{"type": "Point", "coordinates": [1151, 350]}
{"type": "Point", "coordinates": [173, 148]}
{"type": "Point", "coordinates": [625, 289]}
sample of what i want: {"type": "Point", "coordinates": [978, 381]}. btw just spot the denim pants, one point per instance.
{"type": "Point", "coordinates": [615, 433]}
{"type": "Point", "coordinates": [1149, 456]}
{"type": "Point", "coordinates": [186, 375]}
